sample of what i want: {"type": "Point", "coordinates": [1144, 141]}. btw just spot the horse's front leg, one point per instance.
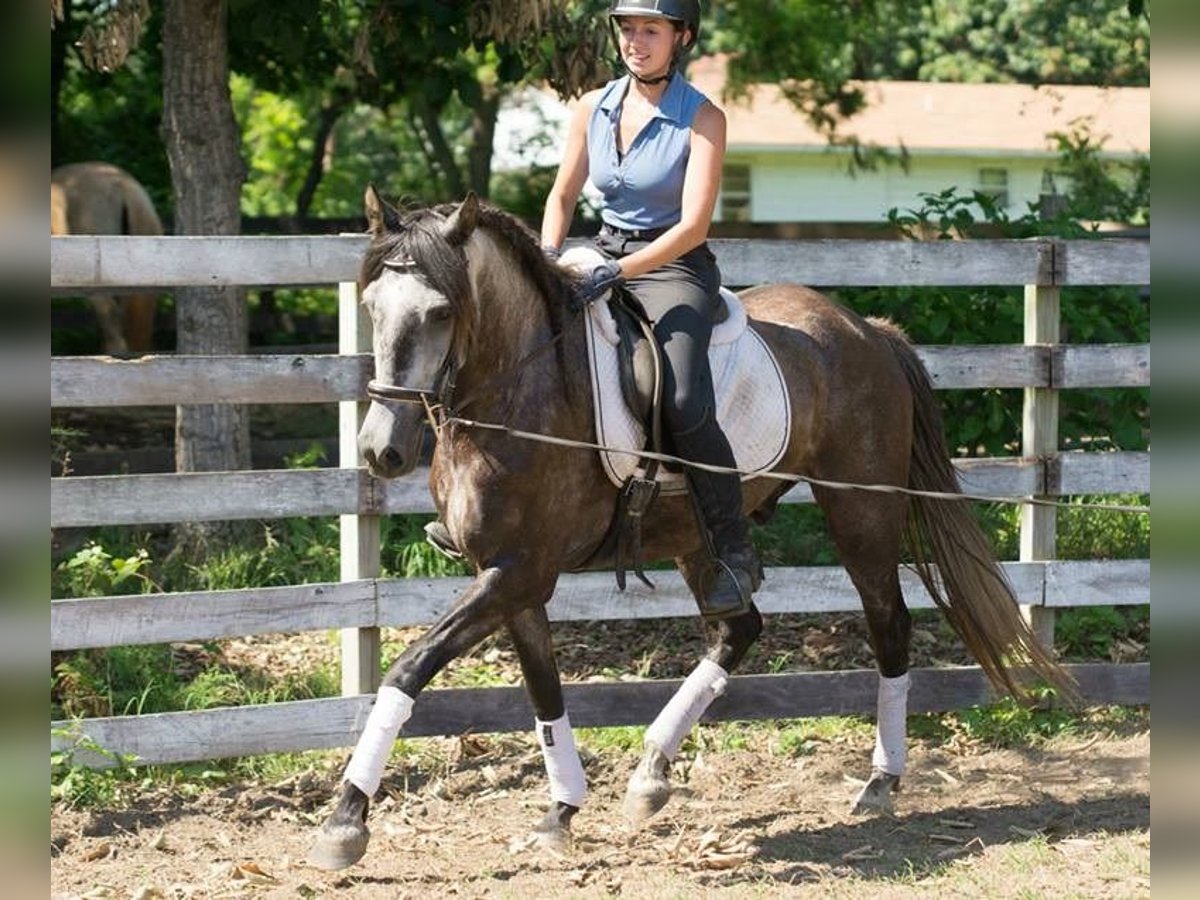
{"type": "Point", "coordinates": [530, 631]}
{"type": "Point", "coordinates": [493, 597]}
{"type": "Point", "coordinates": [649, 787]}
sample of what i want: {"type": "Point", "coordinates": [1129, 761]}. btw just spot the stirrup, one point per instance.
{"type": "Point", "coordinates": [438, 537]}
{"type": "Point", "coordinates": [725, 589]}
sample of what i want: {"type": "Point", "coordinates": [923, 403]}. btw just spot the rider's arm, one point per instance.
{"type": "Point", "coordinates": [700, 186]}
{"type": "Point", "coordinates": [572, 173]}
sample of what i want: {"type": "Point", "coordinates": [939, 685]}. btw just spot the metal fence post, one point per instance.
{"type": "Point", "coordinates": [359, 534]}
{"type": "Point", "coordinates": [1039, 433]}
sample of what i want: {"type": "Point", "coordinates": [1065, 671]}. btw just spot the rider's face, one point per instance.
{"type": "Point", "coordinates": [647, 44]}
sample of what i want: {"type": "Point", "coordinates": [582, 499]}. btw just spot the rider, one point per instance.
{"type": "Point", "coordinates": [653, 146]}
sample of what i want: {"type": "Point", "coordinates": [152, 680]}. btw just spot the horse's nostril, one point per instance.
{"type": "Point", "coordinates": [392, 458]}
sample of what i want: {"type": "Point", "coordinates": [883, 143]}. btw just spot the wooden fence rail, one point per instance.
{"type": "Point", "coordinates": [362, 602]}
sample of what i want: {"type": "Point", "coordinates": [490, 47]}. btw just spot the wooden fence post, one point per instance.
{"type": "Point", "coordinates": [1039, 433]}
{"type": "Point", "coordinates": [359, 534]}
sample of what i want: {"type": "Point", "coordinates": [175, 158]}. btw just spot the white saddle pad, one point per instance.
{"type": "Point", "coordinates": [752, 398]}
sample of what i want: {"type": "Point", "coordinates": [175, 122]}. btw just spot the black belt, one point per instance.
{"type": "Point", "coordinates": [639, 234]}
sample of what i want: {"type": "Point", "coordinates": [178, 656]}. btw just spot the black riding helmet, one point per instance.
{"type": "Point", "coordinates": [685, 12]}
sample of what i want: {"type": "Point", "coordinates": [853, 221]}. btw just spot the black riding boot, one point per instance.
{"type": "Point", "coordinates": [736, 570]}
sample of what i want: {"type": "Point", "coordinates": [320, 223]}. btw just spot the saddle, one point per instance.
{"type": "Point", "coordinates": [752, 403]}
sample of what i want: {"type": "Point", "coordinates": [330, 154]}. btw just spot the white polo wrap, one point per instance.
{"type": "Point", "coordinates": [705, 684]}
{"type": "Point", "coordinates": [890, 733]}
{"type": "Point", "coordinates": [568, 784]}
{"type": "Point", "coordinates": [391, 710]}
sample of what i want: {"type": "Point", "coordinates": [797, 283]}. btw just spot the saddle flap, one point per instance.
{"type": "Point", "coordinates": [753, 407]}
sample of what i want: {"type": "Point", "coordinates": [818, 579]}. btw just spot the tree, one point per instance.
{"type": "Point", "coordinates": [201, 137]}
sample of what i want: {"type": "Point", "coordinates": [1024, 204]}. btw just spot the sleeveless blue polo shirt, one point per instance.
{"type": "Point", "coordinates": [643, 188]}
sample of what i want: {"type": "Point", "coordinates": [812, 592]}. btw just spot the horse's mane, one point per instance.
{"type": "Point", "coordinates": [418, 237]}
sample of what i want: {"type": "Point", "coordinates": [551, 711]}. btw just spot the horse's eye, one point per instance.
{"type": "Point", "coordinates": [440, 314]}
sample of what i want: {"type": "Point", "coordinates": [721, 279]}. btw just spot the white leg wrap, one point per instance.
{"type": "Point", "coordinates": [567, 781]}
{"type": "Point", "coordinates": [890, 733]}
{"type": "Point", "coordinates": [391, 710]}
{"type": "Point", "coordinates": [701, 688]}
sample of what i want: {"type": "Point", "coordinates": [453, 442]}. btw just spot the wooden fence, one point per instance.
{"type": "Point", "coordinates": [362, 602]}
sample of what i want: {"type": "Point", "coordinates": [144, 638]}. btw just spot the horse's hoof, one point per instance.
{"type": "Point", "coordinates": [876, 795]}
{"type": "Point", "coordinates": [555, 840]}
{"type": "Point", "coordinates": [339, 846]}
{"type": "Point", "coordinates": [649, 788]}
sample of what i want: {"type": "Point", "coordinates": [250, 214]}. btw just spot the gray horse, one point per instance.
{"type": "Point", "coordinates": [471, 322]}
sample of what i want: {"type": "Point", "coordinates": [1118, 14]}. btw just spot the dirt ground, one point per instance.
{"type": "Point", "coordinates": [1071, 818]}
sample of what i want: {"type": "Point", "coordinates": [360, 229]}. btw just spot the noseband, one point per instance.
{"type": "Point", "coordinates": [435, 399]}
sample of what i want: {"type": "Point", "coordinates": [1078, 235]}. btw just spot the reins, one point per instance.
{"type": "Point", "coordinates": [793, 477]}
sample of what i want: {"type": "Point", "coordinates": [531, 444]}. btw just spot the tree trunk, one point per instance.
{"type": "Point", "coordinates": [483, 135]}
{"type": "Point", "coordinates": [202, 143]}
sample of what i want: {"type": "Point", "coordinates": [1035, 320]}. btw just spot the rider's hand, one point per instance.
{"type": "Point", "coordinates": [597, 282]}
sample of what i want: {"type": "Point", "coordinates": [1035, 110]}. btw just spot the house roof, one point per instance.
{"type": "Point", "coordinates": [937, 117]}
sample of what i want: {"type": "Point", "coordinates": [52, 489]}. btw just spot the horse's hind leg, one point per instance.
{"type": "Point", "coordinates": [649, 787]}
{"type": "Point", "coordinates": [530, 632]}
{"type": "Point", "coordinates": [494, 596]}
{"type": "Point", "coordinates": [867, 531]}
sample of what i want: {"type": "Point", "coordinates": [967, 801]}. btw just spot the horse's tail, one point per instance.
{"type": "Point", "coordinates": [953, 557]}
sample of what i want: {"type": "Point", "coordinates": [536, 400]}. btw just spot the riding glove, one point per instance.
{"type": "Point", "coordinates": [597, 282]}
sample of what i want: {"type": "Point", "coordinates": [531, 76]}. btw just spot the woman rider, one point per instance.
{"type": "Point", "coordinates": [653, 146]}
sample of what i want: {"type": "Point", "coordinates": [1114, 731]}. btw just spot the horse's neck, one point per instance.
{"type": "Point", "coordinates": [511, 361]}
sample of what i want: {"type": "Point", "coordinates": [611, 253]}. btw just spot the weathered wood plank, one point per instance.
{"type": "Point", "coordinates": [980, 366]}
{"type": "Point", "coordinates": [591, 596]}
{"type": "Point", "coordinates": [207, 496]}
{"type": "Point", "coordinates": [1100, 365]}
{"type": "Point", "coordinates": [846, 263]}
{"type": "Point", "coordinates": [588, 596]}
{"type": "Point", "coordinates": [176, 261]}
{"type": "Point", "coordinates": [330, 723]}
{"type": "Point", "coordinates": [80, 381]}
{"type": "Point", "coordinates": [1108, 261]}
{"type": "Point", "coordinates": [1117, 472]}
{"type": "Point", "coordinates": [110, 262]}
{"type": "Point", "coordinates": [86, 381]}
{"type": "Point", "coordinates": [209, 615]}
{"type": "Point", "coordinates": [276, 493]}
{"type": "Point", "coordinates": [1123, 582]}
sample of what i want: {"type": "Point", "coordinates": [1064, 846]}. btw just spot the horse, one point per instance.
{"type": "Point", "coordinates": [100, 198]}
{"type": "Point", "coordinates": [470, 319]}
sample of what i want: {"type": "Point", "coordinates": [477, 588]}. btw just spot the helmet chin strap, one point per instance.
{"type": "Point", "coordinates": [653, 81]}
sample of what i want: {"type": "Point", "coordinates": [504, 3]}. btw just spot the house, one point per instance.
{"type": "Point", "coordinates": [994, 138]}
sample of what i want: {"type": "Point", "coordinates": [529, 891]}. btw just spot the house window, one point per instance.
{"type": "Point", "coordinates": [994, 183]}
{"type": "Point", "coordinates": [735, 192]}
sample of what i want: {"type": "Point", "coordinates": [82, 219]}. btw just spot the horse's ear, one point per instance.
{"type": "Point", "coordinates": [462, 221]}
{"type": "Point", "coordinates": [381, 218]}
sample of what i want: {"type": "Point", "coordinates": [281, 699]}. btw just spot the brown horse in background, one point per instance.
{"type": "Point", "coordinates": [100, 198]}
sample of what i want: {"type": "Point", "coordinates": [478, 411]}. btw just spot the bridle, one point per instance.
{"type": "Point", "coordinates": [437, 398]}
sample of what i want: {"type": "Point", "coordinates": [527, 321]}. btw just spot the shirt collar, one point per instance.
{"type": "Point", "coordinates": [670, 106]}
